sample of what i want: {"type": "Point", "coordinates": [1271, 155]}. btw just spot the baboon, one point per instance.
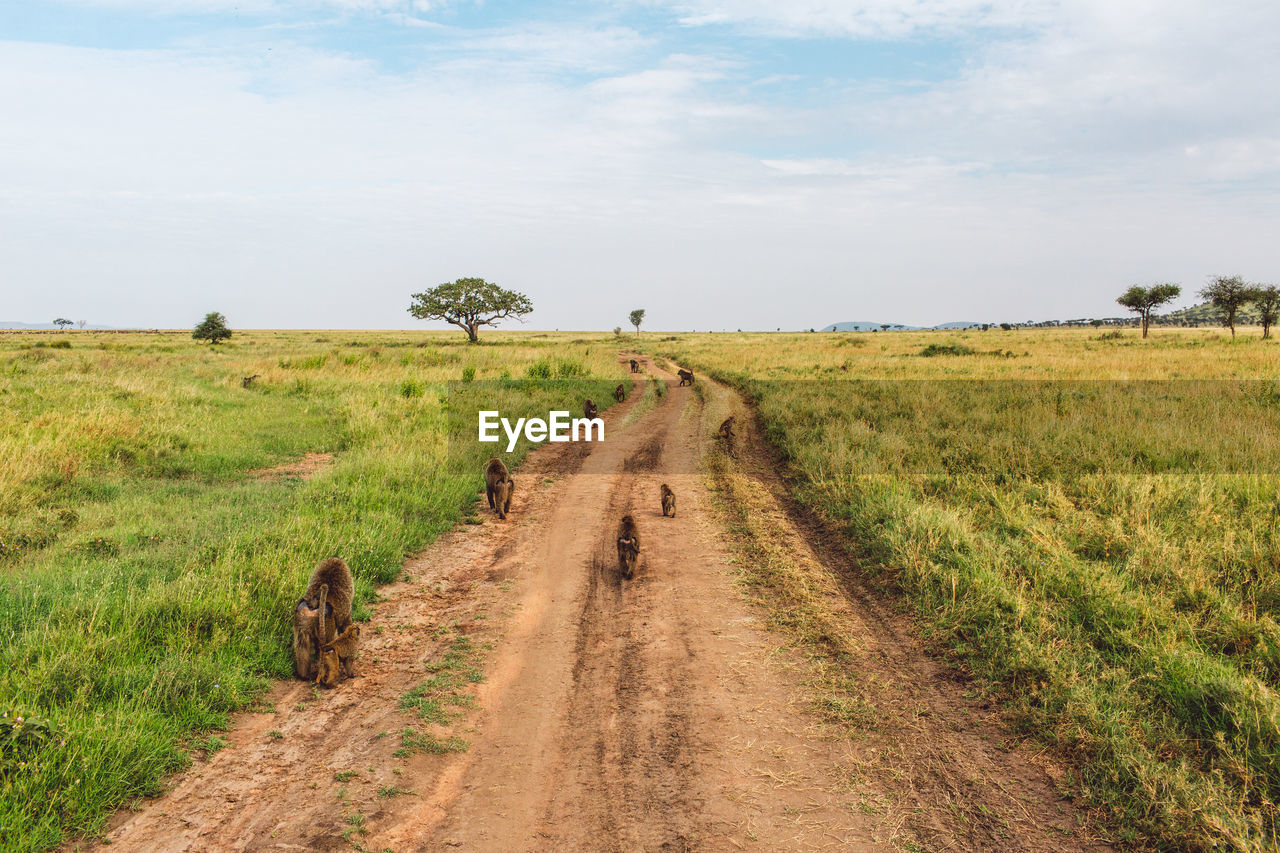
{"type": "Point", "coordinates": [635, 366]}
{"type": "Point", "coordinates": [726, 433]}
{"type": "Point", "coordinates": [619, 393]}
{"type": "Point", "coordinates": [502, 494]}
{"type": "Point", "coordinates": [628, 546]}
{"type": "Point", "coordinates": [589, 410]}
{"type": "Point", "coordinates": [686, 376]}
{"type": "Point", "coordinates": [323, 612]}
{"type": "Point", "coordinates": [338, 657]}
{"type": "Point", "coordinates": [668, 501]}
{"type": "Point", "coordinates": [498, 487]}
{"type": "Point", "coordinates": [246, 381]}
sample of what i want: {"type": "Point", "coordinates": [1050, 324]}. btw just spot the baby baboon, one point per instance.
{"type": "Point", "coordinates": [668, 501]}
{"type": "Point", "coordinates": [502, 496]}
{"type": "Point", "coordinates": [628, 546]}
{"type": "Point", "coordinates": [323, 612]}
{"type": "Point", "coordinates": [619, 393]}
{"type": "Point", "coordinates": [338, 657]}
{"type": "Point", "coordinates": [498, 494]}
{"type": "Point", "coordinates": [246, 381]}
{"type": "Point", "coordinates": [635, 366]}
{"type": "Point", "coordinates": [590, 410]}
{"type": "Point", "coordinates": [726, 432]}
{"type": "Point", "coordinates": [686, 376]}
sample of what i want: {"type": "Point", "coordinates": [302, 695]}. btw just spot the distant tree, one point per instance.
{"type": "Point", "coordinates": [1095, 323]}
{"type": "Point", "coordinates": [1267, 300]}
{"type": "Point", "coordinates": [62, 322]}
{"type": "Point", "coordinates": [1143, 300]}
{"type": "Point", "coordinates": [884, 326]}
{"type": "Point", "coordinates": [1228, 294]}
{"type": "Point", "coordinates": [212, 328]}
{"type": "Point", "coordinates": [636, 317]}
{"type": "Point", "coordinates": [1005, 327]}
{"type": "Point", "coordinates": [470, 303]}
{"type": "Point", "coordinates": [81, 324]}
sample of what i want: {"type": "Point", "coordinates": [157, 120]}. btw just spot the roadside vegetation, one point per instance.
{"type": "Point", "coordinates": [1103, 556]}
{"type": "Point", "coordinates": [159, 516]}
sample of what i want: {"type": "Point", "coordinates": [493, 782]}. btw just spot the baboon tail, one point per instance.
{"type": "Point", "coordinates": [324, 596]}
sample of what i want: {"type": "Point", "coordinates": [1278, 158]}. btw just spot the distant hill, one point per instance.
{"type": "Point", "coordinates": [867, 326]}
{"type": "Point", "coordinates": [1205, 314]}
{"type": "Point", "coordinates": [14, 324]}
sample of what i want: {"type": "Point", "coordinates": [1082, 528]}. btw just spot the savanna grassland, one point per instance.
{"type": "Point", "coordinates": [1087, 522]}
{"type": "Point", "coordinates": [158, 520]}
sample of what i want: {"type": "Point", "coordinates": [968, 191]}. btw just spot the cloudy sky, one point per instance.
{"type": "Point", "coordinates": [723, 163]}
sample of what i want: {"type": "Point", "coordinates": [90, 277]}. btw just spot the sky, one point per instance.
{"type": "Point", "coordinates": [724, 164]}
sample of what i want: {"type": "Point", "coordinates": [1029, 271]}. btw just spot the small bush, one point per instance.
{"type": "Point", "coordinates": [469, 373]}
{"type": "Point", "coordinates": [540, 369]}
{"type": "Point", "coordinates": [566, 369]}
{"type": "Point", "coordinates": [946, 349]}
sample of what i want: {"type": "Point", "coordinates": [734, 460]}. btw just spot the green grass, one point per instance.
{"type": "Point", "coordinates": [443, 691]}
{"type": "Point", "coordinates": [412, 741]}
{"type": "Point", "coordinates": [1103, 557]}
{"type": "Point", "coordinates": [146, 571]}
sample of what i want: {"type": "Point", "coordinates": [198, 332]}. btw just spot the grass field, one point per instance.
{"type": "Point", "coordinates": [149, 554]}
{"type": "Point", "coordinates": [1086, 521]}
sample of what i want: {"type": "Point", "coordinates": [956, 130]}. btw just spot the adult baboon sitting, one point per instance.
{"type": "Point", "coordinates": [328, 594]}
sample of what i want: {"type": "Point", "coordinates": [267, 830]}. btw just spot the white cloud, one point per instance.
{"type": "Point", "coordinates": [1106, 144]}
{"type": "Point", "coordinates": [863, 18]}
{"type": "Point", "coordinates": [256, 7]}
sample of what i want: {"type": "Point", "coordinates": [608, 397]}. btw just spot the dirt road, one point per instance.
{"type": "Point", "coordinates": [563, 708]}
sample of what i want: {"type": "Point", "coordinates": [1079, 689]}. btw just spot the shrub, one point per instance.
{"type": "Point", "coordinates": [946, 349]}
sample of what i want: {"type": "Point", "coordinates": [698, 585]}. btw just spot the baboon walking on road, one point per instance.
{"type": "Point", "coordinates": [328, 595]}
{"type": "Point", "coordinates": [726, 434]}
{"type": "Point", "coordinates": [668, 501]}
{"type": "Point", "coordinates": [619, 393]}
{"type": "Point", "coordinates": [686, 376]}
{"type": "Point", "coordinates": [635, 366]}
{"type": "Point", "coordinates": [590, 410]}
{"type": "Point", "coordinates": [628, 546]}
{"type": "Point", "coordinates": [498, 487]}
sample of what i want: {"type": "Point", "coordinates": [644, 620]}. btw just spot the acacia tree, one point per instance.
{"type": "Point", "coordinates": [212, 328]}
{"type": "Point", "coordinates": [1267, 300]}
{"type": "Point", "coordinates": [1143, 300]}
{"type": "Point", "coordinates": [470, 303]}
{"type": "Point", "coordinates": [637, 317]}
{"type": "Point", "coordinates": [62, 322]}
{"type": "Point", "coordinates": [1228, 294]}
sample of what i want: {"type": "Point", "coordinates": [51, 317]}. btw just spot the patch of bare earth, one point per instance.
{"type": "Point", "coordinates": [303, 469]}
{"type": "Point", "coordinates": [657, 713]}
